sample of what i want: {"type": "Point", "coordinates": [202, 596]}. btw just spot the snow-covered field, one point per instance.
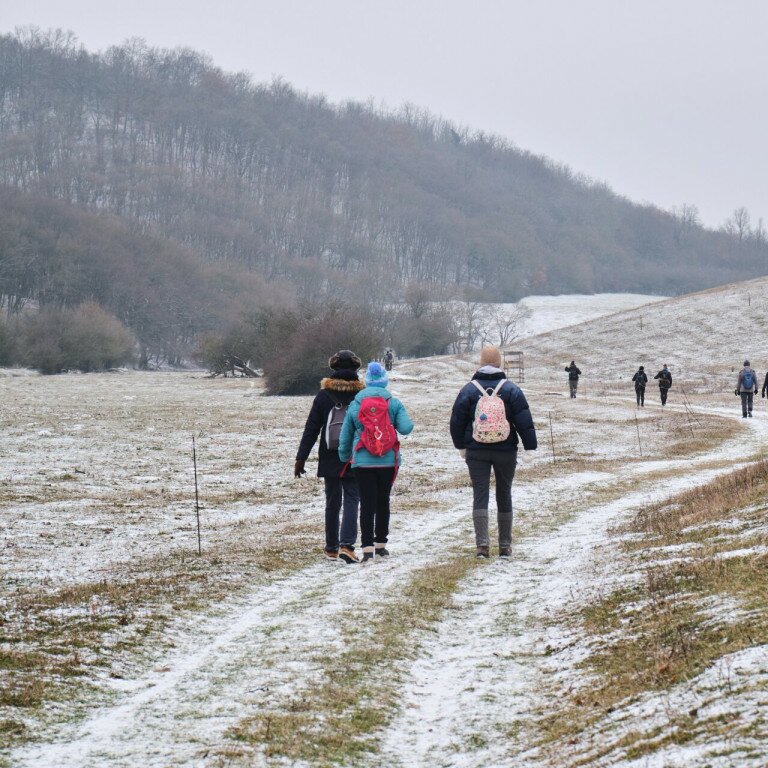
{"type": "Point", "coordinates": [550, 313]}
{"type": "Point", "coordinates": [121, 647]}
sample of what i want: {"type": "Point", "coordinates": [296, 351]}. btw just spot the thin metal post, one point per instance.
{"type": "Point", "coordinates": [640, 445]}
{"type": "Point", "coordinates": [552, 438]}
{"type": "Point", "coordinates": [197, 497]}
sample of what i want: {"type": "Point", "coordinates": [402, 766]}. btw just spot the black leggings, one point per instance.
{"type": "Point", "coordinates": [375, 485]}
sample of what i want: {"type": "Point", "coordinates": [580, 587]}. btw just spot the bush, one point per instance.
{"type": "Point", "coordinates": [292, 347]}
{"type": "Point", "coordinates": [85, 338]}
{"type": "Point", "coordinates": [432, 333]}
{"type": "Point", "coordinates": [8, 352]}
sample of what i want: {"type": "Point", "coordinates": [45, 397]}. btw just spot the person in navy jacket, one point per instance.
{"type": "Point", "coordinates": [501, 457]}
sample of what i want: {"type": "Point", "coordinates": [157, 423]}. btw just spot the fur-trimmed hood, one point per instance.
{"type": "Point", "coordinates": [342, 385]}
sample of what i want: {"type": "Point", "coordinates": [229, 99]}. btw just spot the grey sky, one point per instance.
{"type": "Point", "coordinates": [664, 100]}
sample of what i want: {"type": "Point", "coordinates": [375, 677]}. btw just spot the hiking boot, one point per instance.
{"type": "Point", "coordinates": [331, 554]}
{"type": "Point", "coordinates": [367, 557]}
{"type": "Point", "coordinates": [381, 550]}
{"type": "Point", "coordinates": [750, 414]}
{"type": "Point", "coordinates": [505, 551]}
{"type": "Point", "coordinates": [347, 554]}
{"type": "Point", "coordinates": [483, 553]}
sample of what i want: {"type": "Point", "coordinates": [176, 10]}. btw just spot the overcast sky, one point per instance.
{"type": "Point", "coordinates": [664, 100]}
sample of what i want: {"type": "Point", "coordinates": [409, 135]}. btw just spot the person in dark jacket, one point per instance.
{"type": "Point", "coordinates": [765, 385]}
{"type": "Point", "coordinates": [746, 387]}
{"type": "Point", "coordinates": [640, 379]}
{"type": "Point", "coordinates": [665, 383]}
{"type": "Point", "coordinates": [501, 456]}
{"type": "Point", "coordinates": [326, 417]}
{"type": "Point", "coordinates": [573, 378]}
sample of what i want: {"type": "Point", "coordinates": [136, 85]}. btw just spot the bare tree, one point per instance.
{"type": "Point", "coordinates": [506, 320]}
{"type": "Point", "coordinates": [738, 225]}
{"type": "Point", "coordinates": [686, 220]}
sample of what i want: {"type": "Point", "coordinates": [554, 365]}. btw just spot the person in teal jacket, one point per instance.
{"type": "Point", "coordinates": [375, 474]}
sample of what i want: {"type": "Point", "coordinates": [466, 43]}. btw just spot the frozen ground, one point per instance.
{"type": "Point", "coordinates": [95, 491]}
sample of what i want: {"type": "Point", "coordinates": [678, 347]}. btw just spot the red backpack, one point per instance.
{"type": "Point", "coordinates": [378, 436]}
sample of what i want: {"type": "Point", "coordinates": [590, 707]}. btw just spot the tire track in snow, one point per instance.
{"type": "Point", "coordinates": [468, 697]}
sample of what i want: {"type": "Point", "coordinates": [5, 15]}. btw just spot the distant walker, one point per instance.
{"type": "Point", "coordinates": [573, 378]}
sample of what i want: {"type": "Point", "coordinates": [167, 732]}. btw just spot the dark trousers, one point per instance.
{"type": "Point", "coordinates": [341, 492]}
{"type": "Point", "coordinates": [480, 462]}
{"type": "Point", "coordinates": [663, 391]}
{"type": "Point", "coordinates": [375, 485]}
{"type": "Point", "coordinates": [746, 402]}
{"type": "Point", "coordinates": [573, 385]}
{"type": "Point", "coordinates": [640, 392]}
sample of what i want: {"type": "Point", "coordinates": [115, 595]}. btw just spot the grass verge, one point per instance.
{"type": "Point", "coordinates": [703, 556]}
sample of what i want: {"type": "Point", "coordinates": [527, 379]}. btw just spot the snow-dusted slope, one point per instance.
{"type": "Point", "coordinates": [549, 313]}
{"type": "Point", "coordinates": [703, 337]}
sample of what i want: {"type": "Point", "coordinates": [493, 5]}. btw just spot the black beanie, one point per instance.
{"type": "Point", "coordinates": [344, 359]}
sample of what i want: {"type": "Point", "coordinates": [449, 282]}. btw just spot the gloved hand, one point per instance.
{"type": "Point", "coordinates": [298, 468]}
{"type": "Point", "coordinates": [755, 391]}
{"type": "Point", "coordinates": [736, 392]}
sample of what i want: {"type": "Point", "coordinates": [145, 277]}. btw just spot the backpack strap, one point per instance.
{"type": "Point", "coordinates": [480, 387]}
{"type": "Point", "coordinates": [499, 386]}
{"type": "Point", "coordinates": [485, 390]}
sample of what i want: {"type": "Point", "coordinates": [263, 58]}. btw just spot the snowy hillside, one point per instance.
{"type": "Point", "coordinates": [703, 337]}
{"type": "Point", "coordinates": [549, 313]}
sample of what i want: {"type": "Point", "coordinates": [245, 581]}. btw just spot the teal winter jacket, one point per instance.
{"type": "Point", "coordinates": [352, 429]}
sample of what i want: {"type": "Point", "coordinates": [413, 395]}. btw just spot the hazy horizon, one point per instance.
{"type": "Point", "coordinates": [661, 103]}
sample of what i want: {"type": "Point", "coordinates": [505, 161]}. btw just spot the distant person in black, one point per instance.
{"type": "Point", "coordinates": [746, 387]}
{"type": "Point", "coordinates": [641, 379]}
{"type": "Point", "coordinates": [665, 382]}
{"type": "Point", "coordinates": [389, 359]}
{"type": "Point", "coordinates": [765, 385]}
{"type": "Point", "coordinates": [573, 378]}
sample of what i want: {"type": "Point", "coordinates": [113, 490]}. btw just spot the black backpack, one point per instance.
{"type": "Point", "coordinates": [334, 423]}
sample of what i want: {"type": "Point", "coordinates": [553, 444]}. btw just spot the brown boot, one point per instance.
{"type": "Point", "coordinates": [505, 551]}
{"type": "Point", "coordinates": [483, 553]}
{"type": "Point", "coordinates": [347, 554]}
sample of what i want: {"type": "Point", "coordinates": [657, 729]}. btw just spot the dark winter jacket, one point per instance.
{"type": "Point", "coordinates": [740, 381]}
{"type": "Point", "coordinates": [340, 387]}
{"type": "Point", "coordinates": [515, 405]}
{"type": "Point", "coordinates": [665, 378]}
{"type": "Point", "coordinates": [573, 372]}
{"type": "Point", "coordinates": [640, 379]}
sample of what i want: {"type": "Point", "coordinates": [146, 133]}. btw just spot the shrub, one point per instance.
{"type": "Point", "coordinates": [8, 332]}
{"type": "Point", "coordinates": [431, 333]}
{"type": "Point", "coordinates": [85, 338]}
{"type": "Point", "coordinates": [292, 347]}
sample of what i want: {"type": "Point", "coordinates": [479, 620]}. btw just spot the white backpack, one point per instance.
{"type": "Point", "coordinates": [490, 424]}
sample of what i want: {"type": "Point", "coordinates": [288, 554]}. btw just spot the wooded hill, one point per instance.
{"type": "Point", "coordinates": [316, 197]}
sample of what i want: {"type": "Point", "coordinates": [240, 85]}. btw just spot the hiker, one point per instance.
{"type": "Point", "coordinates": [665, 382]}
{"type": "Point", "coordinates": [746, 386]}
{"type": "Point", "coordinates": [765, 385]}
{"type": "Point", "coordinates": [389, 359]}
{"type": "Point", "coordinates": [326, 417]}
{"type": "Point", "coordinates": [369, 441]}
{"type": "Point", "coordinates": [641, 379]}
{"type": "Point", "coordinates": [573, 378]}
{"type": "Point", "coordinates": [488, 415]}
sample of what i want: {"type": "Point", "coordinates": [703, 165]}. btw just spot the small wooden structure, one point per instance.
{"type": "Point", "coordinates": [514, 366]}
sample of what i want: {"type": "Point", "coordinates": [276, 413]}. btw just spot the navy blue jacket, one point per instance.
{"type": "Point", "coordinates": [515, 405]}
{"type": "Point", "coordinates": [342, 390]}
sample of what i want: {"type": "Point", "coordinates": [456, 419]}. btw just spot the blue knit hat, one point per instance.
{"type": "Point", "coordinates": [375, 375]}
